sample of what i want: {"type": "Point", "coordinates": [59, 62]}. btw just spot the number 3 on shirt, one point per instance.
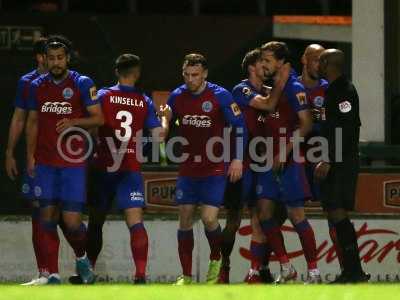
{"type": "Point", "coordinates": [126, 121]}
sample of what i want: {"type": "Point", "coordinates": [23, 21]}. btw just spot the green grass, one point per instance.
{"type": "Point", "coordinates": [202, 292]}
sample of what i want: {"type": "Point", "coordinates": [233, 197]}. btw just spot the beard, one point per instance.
{"type": "Point", "coordinates": [58, 73]}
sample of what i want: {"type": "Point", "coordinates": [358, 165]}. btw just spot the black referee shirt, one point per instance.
{"type": "Point", "coordinates": [342, 111]}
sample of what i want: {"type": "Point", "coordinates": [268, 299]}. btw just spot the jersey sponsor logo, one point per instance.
{"type": "Point", "coordinates": [137, 196]}
{"type": "Point", "coordinates": [197, 121]}
{"type": "Point", "coordinates": [93, 93]}
{"type": "Point", "coordinates": [207, 106]}
{"type": "Point", "coordinates": [301, 97]}
{"type": "Point", "coordinates": [246, 91]}
{"type": "Point", "coordinates": [261, 118]}
{"type": "Point", "coordinates": [68, 93]}
{"type": "Point", "coordinates": [235, 109]}
{"type": "Point", "coordinates": [392, 193]}
{"type": "Point", "coordinates": [126, 101]}
{"type": "Point", "coordinates": [318, 101]}
{"type": "Point", "coordinates": [60, 108]}
{"type": "Point", "coordinates": [274, 115]}
{"type": "Point", "coordinates": [345, 106]}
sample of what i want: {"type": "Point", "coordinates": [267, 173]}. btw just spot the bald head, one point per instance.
{"type": "Point", "coordinates": [313, 49]}
{"type": "Point", "coordinates": [310, 61]}
{"type": "Point", "coordinates": [331, 63]}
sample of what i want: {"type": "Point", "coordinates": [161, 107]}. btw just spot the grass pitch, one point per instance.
{"type": "Point", "coordinates": [202, 292]}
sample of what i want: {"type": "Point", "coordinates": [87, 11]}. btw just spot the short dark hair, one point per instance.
{"type": "Point", "coordinates": [126, 62]}
{"type": "Point", "coordinates": [250, 59]}
{"type": "Point", "coordinates": [280, 50]}
{"type": "Point", "coordinates": [194, 59]}
{"type": "Point", "coordinates": [39, 46]}
{"type": "Point", "coordinates": [58, 41]}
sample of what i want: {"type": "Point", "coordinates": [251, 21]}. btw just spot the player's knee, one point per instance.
{"type": "Point", "coordinates": [210, 222]}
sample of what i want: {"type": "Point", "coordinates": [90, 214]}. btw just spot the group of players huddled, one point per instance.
{"type": "Point", "coordinates": [59, 107]}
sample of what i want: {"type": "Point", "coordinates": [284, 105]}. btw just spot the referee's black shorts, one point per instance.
{"type": "Point", "coordinates": [338, 190]}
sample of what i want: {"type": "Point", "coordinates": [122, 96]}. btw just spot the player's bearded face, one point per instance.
{"type": "Point", "coordinates": [194, 77]}
{"type": "Point", "coordinates": [57, 62]}
{"type": "Point", "coordinates": [271, 64]}
{"type": "Point", "coordinates": [259, 68]}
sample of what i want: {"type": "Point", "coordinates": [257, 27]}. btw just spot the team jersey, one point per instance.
{"type": "Point", "coordinates": [54, 102]}
{"type": "Point", "coordinates": [243, 93]}
{"type": "Point", "coordinates": [284, 121]}
{"type": "Point", "coordinates": [21, 98]}
{"type": "Point", "coordinates": [127, 111]}
{"type": "Point", "coordinates": [202, 117]}
{"type": "Point", "coordinates": [316, 100]}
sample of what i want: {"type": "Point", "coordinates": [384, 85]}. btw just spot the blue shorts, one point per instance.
{"type": "Point", "coordinates": [125, 186]}
{"type": "Point", "coordinates": [200, 190]}
{"type": "Point", "coordinates": [27, 187]}
{"type": "Point", "coordinates": [242, 192]}
{"type": "Point", "coordinates": [66, 185]}
{"type": "Point", "coordinates": [314, 186]}
{"type": "Point", "coordinates": [290, 187]}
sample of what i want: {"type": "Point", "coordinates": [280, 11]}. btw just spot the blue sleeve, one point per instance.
{"type": "Point", "coordinates": [88, 91]}
{"type": "Point", "coordinates": [243, 94]}
{"type": "Point", "coordinates": [296, 95]}
{"type": "Point", "coordinates": [171, 101]}
{"type": "Point", "coordinates": [234, 117]}
{"type": "Point", "coordinates": [101, 94]}
{"type": "Point", "coordinates": [31, 103]}
{"type": "Point", "coordinates": [151, 120]}
{"type": "Point", "coordinates": [22, 94]}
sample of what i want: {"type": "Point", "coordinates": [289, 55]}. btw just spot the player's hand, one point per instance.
{"type": "Point", "coordinates": [283, 73]}
{"type": "Point", "coordinates": [165, 110]}
{"type": "Point", "coordinates": [30, 166]}
{"type": "Point", "coordinates": [11, 166]}
{"type": "Point", "coordinates": [64, 124]}
{"type": "Point", "coordinates": [321, 171]}
{"type": "Point", "coordinates": [235, 170]}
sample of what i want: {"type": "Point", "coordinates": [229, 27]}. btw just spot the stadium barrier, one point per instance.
{"type": "Point", "coordinates": [379, 244]}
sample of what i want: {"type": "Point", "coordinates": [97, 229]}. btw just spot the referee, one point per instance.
{"type": "Point", "coordinates": [339, 174]}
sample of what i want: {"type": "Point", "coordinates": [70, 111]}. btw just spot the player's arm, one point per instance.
{"type": "Point", "coordinates": [234, 117]}
{"type": "Point", "coordinates": [269, 102]}
{"type": "Point", "coordinates": [153, 123]}
{"type": "Point", "coordinates": [93, 107]}
{"type": "Point", "coordinates": [31, 139]}
{"type": "Point", "coordinates": [16, 127]}
{"type": "Point", "coordinates": [166, 114]}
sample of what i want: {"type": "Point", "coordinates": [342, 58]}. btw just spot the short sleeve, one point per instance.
{"type": "Point", "coordinates": [230, 109]}
{"type": "Point", "coordinates": [31, 103]}
{"type": "Point", "coordinates": [151, 120]}
{"type": "Point", "coordinates": [22, 95]}
{"type": "Point", "coordinates": [88, 91]}
{"type": "Point", "coordinates": [296, 95]}
{"type": "Point", "coordinates": [243, 94]}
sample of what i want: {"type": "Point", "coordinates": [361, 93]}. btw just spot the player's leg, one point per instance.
{"type": "Point", "coordinates": [268, 192]}
{"type": "Point", "coordinates": [27, 193]}
{"type": "Point", "coordinates": [45, 192]}
{"type": "Point", "coordinates": [72, 182]}
{"type": "Point", "coordinates": [187, 201]}
{"type": "Point", "coordinates": [130, 197]}
{"type": "Point", "coordinates": [212, 190]}
{"type": "Point", "coordinates": [295, 191]}
{"type": "Point", "coordinates": [235, 196]}
{"type": "Point", "coordinates": [338, 197]}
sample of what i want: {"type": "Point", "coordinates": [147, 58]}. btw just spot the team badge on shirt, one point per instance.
{"type": "Point", "coordinates": [318, 101]}
{"type": "Point", "coordinates": [345, 106]}
{"type": "Point", "coordinates": [68, 93]}
{"type": "Point", "coordinates": [93, 93]}
{"type": "Point", "coordinates": [301, 97]}
{"type": "Point", "coordinates": [235, 109]}
{"type": "Point", "coordinates": [207, 106]}
{"type": "Point", "coordinates": [246, 91]}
